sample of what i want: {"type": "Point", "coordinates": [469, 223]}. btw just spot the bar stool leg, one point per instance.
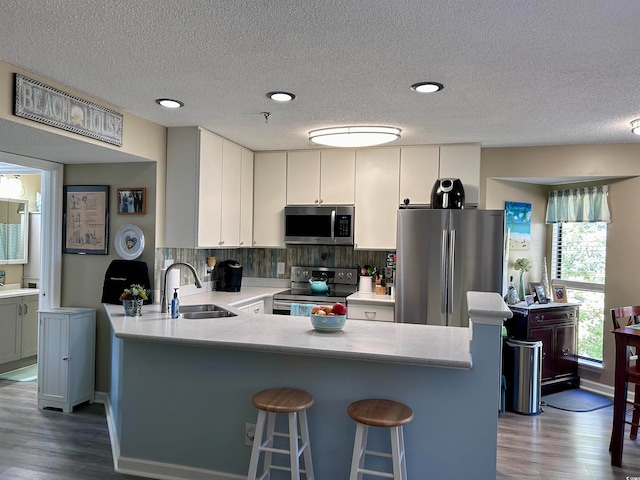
{"type": "Point", "coordinates": [257, 441]}
{"type": "Point", "coordinates": [359, 446]}
{"type": "Point", "coordinates": [293, 446]}
{"type": "Point", "coordinates": [304, 433]}
{"type": "Point", "coordinates": [397, 453]}
{"type": "Point", "coordinates": [269, 442]}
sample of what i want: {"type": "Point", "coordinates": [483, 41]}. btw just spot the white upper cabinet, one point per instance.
{"type": "Point", "coordinates": [269, 198]}
{"type": "Point", "coordinates": [321, 177]}
{"type": "Point", "coordinates": [246, 199]}
{"type": "Point", "coordinates": [204, 174]}
{"type": "Point", "coordinates": [418, 172]}
{"type": "Point", "coordinates": [376, 205]}
{"type": "Point", "coordinates": [231, 195]}
{"type": "Point", "coordinates": [463, 162]}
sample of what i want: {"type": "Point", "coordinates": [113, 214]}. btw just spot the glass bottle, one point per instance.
{"type": "Point", "coordinates": [511, 298]}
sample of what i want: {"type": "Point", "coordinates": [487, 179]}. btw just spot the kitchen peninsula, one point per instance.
{"type": "Point", "coordinates": [181, 389]}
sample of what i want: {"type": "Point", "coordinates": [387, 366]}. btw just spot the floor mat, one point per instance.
{"type": "Point", "coordinates": [24, 374]}
{"type": "Point", "coordinates": [577, 400]}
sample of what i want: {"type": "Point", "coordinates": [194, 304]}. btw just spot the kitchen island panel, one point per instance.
{"type": "Point", "coordinates": [187, 406]}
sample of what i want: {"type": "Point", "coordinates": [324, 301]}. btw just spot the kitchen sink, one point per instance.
{"type": "Point", "coordinates": [204, 311]}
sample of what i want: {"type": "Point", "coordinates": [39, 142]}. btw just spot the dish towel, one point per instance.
{"type": "Point", "coordinates": [301, 309]}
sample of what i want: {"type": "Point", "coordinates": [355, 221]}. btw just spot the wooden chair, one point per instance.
{"type": "Point", "coordinates": [632, 314]}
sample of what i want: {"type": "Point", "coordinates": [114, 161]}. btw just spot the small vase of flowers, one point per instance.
{"type": "Point", "coordinates": [132, 299]}
{"type": "Point", "coordinates": [524, 265]}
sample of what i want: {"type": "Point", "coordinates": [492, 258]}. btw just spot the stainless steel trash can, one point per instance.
{"type": "Point", "coordinates": [524, 386]}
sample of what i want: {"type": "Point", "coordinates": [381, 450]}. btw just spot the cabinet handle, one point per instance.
{"type": "Point", "coordinates": [370, 314]}
{"type": "Point", "coordinates": [565, 352]}
{"type": "Point", "coordinates": [316, 201]}
{"type": "Point", "coordinates": [241, 243]}
{"type": "Point", "coordinates": [65, 358]}
{"type": "Point", "coordinates": [20, 309]}
{"type": "Point", "coordinates": [256, 310]}
{"type": "Point", "coordinates": [24, 312]}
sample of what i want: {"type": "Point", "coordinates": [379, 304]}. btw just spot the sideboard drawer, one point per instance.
{"type": "Point", "coordinates": [553, 315]}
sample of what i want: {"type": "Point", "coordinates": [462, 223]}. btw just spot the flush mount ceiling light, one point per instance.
{"type": "Point", "coordinates": [635, 126]}
{"type": "Point", "coordinates": [169, 103]}
{"type": "Point", "coordinates": [427, 87]}
{"type": "Point", "coordinates": [354, 136]}
{"type": "Point", "coordinates": [281, 96]}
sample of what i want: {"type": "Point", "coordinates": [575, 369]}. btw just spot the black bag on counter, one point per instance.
{"type": "Point", "coordinates": [122, 274]}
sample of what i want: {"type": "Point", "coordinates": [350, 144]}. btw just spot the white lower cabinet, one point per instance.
{"type": "Point", "coordinates": [66, 357]}
{"type": "Point", "coordinates": [381, 313]}
{"type": "Point", "coordinates": [253, 307]}
{"type": "Point", "coordinates": [18, 327]}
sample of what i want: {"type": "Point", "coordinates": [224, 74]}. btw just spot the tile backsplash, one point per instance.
{"type": "Point", "coordinates": [263, 262]}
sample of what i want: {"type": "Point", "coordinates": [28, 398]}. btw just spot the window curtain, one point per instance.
{"type": "Point", "coordinates": [584, 205]}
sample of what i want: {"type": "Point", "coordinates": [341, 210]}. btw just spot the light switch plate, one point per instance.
{"type": "Point", "coordinates": [280, 268]}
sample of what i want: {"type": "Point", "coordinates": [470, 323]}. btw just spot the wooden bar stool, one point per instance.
{"type": "Point", "coordinates": [377, 412]}
{"type": "Point", "coordinates": [294, 403]}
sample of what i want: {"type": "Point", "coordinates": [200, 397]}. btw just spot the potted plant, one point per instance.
{"type": "Point", "coordinates": [132, 299]}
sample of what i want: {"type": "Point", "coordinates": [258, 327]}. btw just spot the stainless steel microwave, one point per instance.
{"type": "Point", "coordinates": [323, 225]}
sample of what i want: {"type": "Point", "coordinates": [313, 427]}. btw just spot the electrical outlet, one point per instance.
{"type": "Point", "coordinates": [249, 433]}
{"type": "Point", "coordinates": [280, 268]}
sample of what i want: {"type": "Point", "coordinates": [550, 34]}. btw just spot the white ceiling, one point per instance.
{"type": "Point", "coordinates": [516, 73]}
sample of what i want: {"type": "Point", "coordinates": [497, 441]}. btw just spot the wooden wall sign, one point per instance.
{"type": "Point", "coordinates": [44, 104]}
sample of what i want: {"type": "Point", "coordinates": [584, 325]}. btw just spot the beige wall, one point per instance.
{"type": "Point", "coordinates": [83, 275]}
{"type": "Point", "coordinates": [623, 260]}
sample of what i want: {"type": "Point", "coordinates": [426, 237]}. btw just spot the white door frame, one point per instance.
{"type": "Point", "coordinates": [51, 227]}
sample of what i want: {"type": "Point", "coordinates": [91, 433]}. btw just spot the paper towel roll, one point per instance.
{"type": "Point", "coordinates": [173, 281]}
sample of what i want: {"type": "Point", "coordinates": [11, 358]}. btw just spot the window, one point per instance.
{"type": "Point", "coordinates": [578, 261]}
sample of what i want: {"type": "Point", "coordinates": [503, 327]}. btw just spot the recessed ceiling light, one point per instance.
{"type": "Point", "coordinates": [354, 136]}
{"type": "Point", "coordinates": [281, 96]}
{"type": "Point", "coordinates": [635, 126]}
{"type": "Point", "coordinates": [169, 103]}
{"type": "Point", "coordinates": [427, 87]}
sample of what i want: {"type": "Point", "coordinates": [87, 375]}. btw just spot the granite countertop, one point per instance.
{"type": "Point", "coordinates": [425, 345]}
{"type": "Point", "coordinates": [536, 306]}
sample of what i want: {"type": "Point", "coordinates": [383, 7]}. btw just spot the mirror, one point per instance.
{"type": "Point", "coordinates": [14, 226]}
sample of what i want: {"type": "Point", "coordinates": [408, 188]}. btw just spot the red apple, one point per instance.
{"type": "Point", "coordinates": [316, 308]}
{"type": "Point", "coordinates": [339, 309]}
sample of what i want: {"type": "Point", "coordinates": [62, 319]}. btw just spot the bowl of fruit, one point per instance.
{"type": "Point", "coordinates": [329, 318]}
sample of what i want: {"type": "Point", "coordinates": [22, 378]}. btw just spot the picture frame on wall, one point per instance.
{"type": "Point", "coordinates": [559, 293]}
{"type": "Point", "coordinates": [85, 225]}
{"type": "Point", "coordinates": [132, 201]}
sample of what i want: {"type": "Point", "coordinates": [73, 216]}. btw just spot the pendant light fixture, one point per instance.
{"type": "Point", "coordinates": [354, 136]}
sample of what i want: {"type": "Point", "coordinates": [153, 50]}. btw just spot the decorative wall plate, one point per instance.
{"type": "Point", "coordinates": [129, 242]}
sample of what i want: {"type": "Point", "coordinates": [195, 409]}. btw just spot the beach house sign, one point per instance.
{"type": "Point", "coordinates": [44, 104]}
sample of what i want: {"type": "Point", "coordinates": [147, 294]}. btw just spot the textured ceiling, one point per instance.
{"type": "Point", "coordinates": [515, 72]}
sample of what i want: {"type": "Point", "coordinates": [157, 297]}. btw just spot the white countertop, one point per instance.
{"type": "Point", "coordinates": [17, 292]}
{"type": "Point", "coordinates": [370, 298]}
{"type": "Point", "coordinates": [425, 345]}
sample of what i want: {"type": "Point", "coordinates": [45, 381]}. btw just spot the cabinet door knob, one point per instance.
{"type": "Point", "coordinates": [565, 352]}
{"type": "Point", "coordinates": [65, 358]}
{"type": "Point", "coordinates": [316, 201]}
{"type": "Point", "coordinates": [256, 310]}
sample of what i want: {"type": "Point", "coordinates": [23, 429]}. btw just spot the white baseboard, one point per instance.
{"type": "Point", "coordinates": [151, 469]}
{"type": "Point", "coordinates": [595, 387]}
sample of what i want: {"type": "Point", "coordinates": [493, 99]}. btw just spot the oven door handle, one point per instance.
{"type": "Point", "coordinates": [281, 305]}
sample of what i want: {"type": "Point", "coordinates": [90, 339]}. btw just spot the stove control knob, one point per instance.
{"type": "Point", "coordinates": [306, 273]}
{"type": "Point", "coordinates": [341, 275]}
{"type": "Point", "coordinates": [298, 273]}
{"type": "Point", "coordinates": [349, 275]}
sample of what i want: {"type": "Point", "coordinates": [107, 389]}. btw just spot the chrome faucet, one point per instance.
{"type": "Point", "coordinates": [164, 308]}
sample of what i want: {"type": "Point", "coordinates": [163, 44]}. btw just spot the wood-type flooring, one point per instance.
{"type": "Point", "coordinates": [49, 445]}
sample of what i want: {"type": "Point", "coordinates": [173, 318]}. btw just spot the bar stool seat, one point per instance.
{"type": "Point", "coordinates": [377, 412]}
{"type": "Point", "coordinates": [294, 403]}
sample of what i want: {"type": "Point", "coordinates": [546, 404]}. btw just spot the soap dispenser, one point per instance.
{"type": "Point", "coordinates": [175, 305]}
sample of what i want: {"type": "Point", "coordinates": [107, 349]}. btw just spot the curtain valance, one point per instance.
{"type": "Point", "coordinates": [584, 205]}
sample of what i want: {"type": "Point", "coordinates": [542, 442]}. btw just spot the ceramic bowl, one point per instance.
{"type": "Point", "coordinates": [328, 323]}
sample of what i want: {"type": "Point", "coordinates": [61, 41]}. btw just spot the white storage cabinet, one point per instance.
{"type": "Point", "coordinates": [18, 327]}
{"type": "Point", "coordinates": [66, 357]}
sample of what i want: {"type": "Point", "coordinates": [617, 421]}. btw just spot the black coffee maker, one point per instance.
{"type": "Point", "coordinates": [228, 276]}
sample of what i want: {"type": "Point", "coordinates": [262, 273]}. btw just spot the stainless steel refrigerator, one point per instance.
{"type": "Point", "coordinates": [441, 255]}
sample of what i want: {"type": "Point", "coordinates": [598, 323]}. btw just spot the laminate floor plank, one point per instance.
{"type": "Point", "coordinates": [51, 445]}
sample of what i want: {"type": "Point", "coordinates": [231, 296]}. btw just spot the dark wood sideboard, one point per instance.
{"type": "Point", "coordinates": [556, 324]}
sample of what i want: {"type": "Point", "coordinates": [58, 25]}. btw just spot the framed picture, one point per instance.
{"type": "Point", "coordinates": [559, 293]}
{"type": "Point", "coordinates": [85, 226]}
{"type": "Point", "coordinates": [132, 201]}
{"type": "Point", "coordinates": [532, 288]}
{"type": "Point", "coordinates": [540, 293]}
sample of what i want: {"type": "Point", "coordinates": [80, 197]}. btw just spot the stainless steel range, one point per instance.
{"type": "Point", "coordinates": [342, 282]}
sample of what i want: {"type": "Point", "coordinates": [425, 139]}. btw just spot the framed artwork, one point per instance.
{"type": "Point", "coordinates": [559, 293]}
{"type": "Point", "coordinates": [85, 226]}
{"type": "Point", "coordinates": [132, 201]}
{"type": "Point", "coordinates": [532, 287]}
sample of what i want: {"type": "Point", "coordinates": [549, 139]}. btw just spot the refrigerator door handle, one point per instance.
{"type": "Point", "coordinates": [452, 261]}
{"type": "Point", "coordinates": [443, 272]}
